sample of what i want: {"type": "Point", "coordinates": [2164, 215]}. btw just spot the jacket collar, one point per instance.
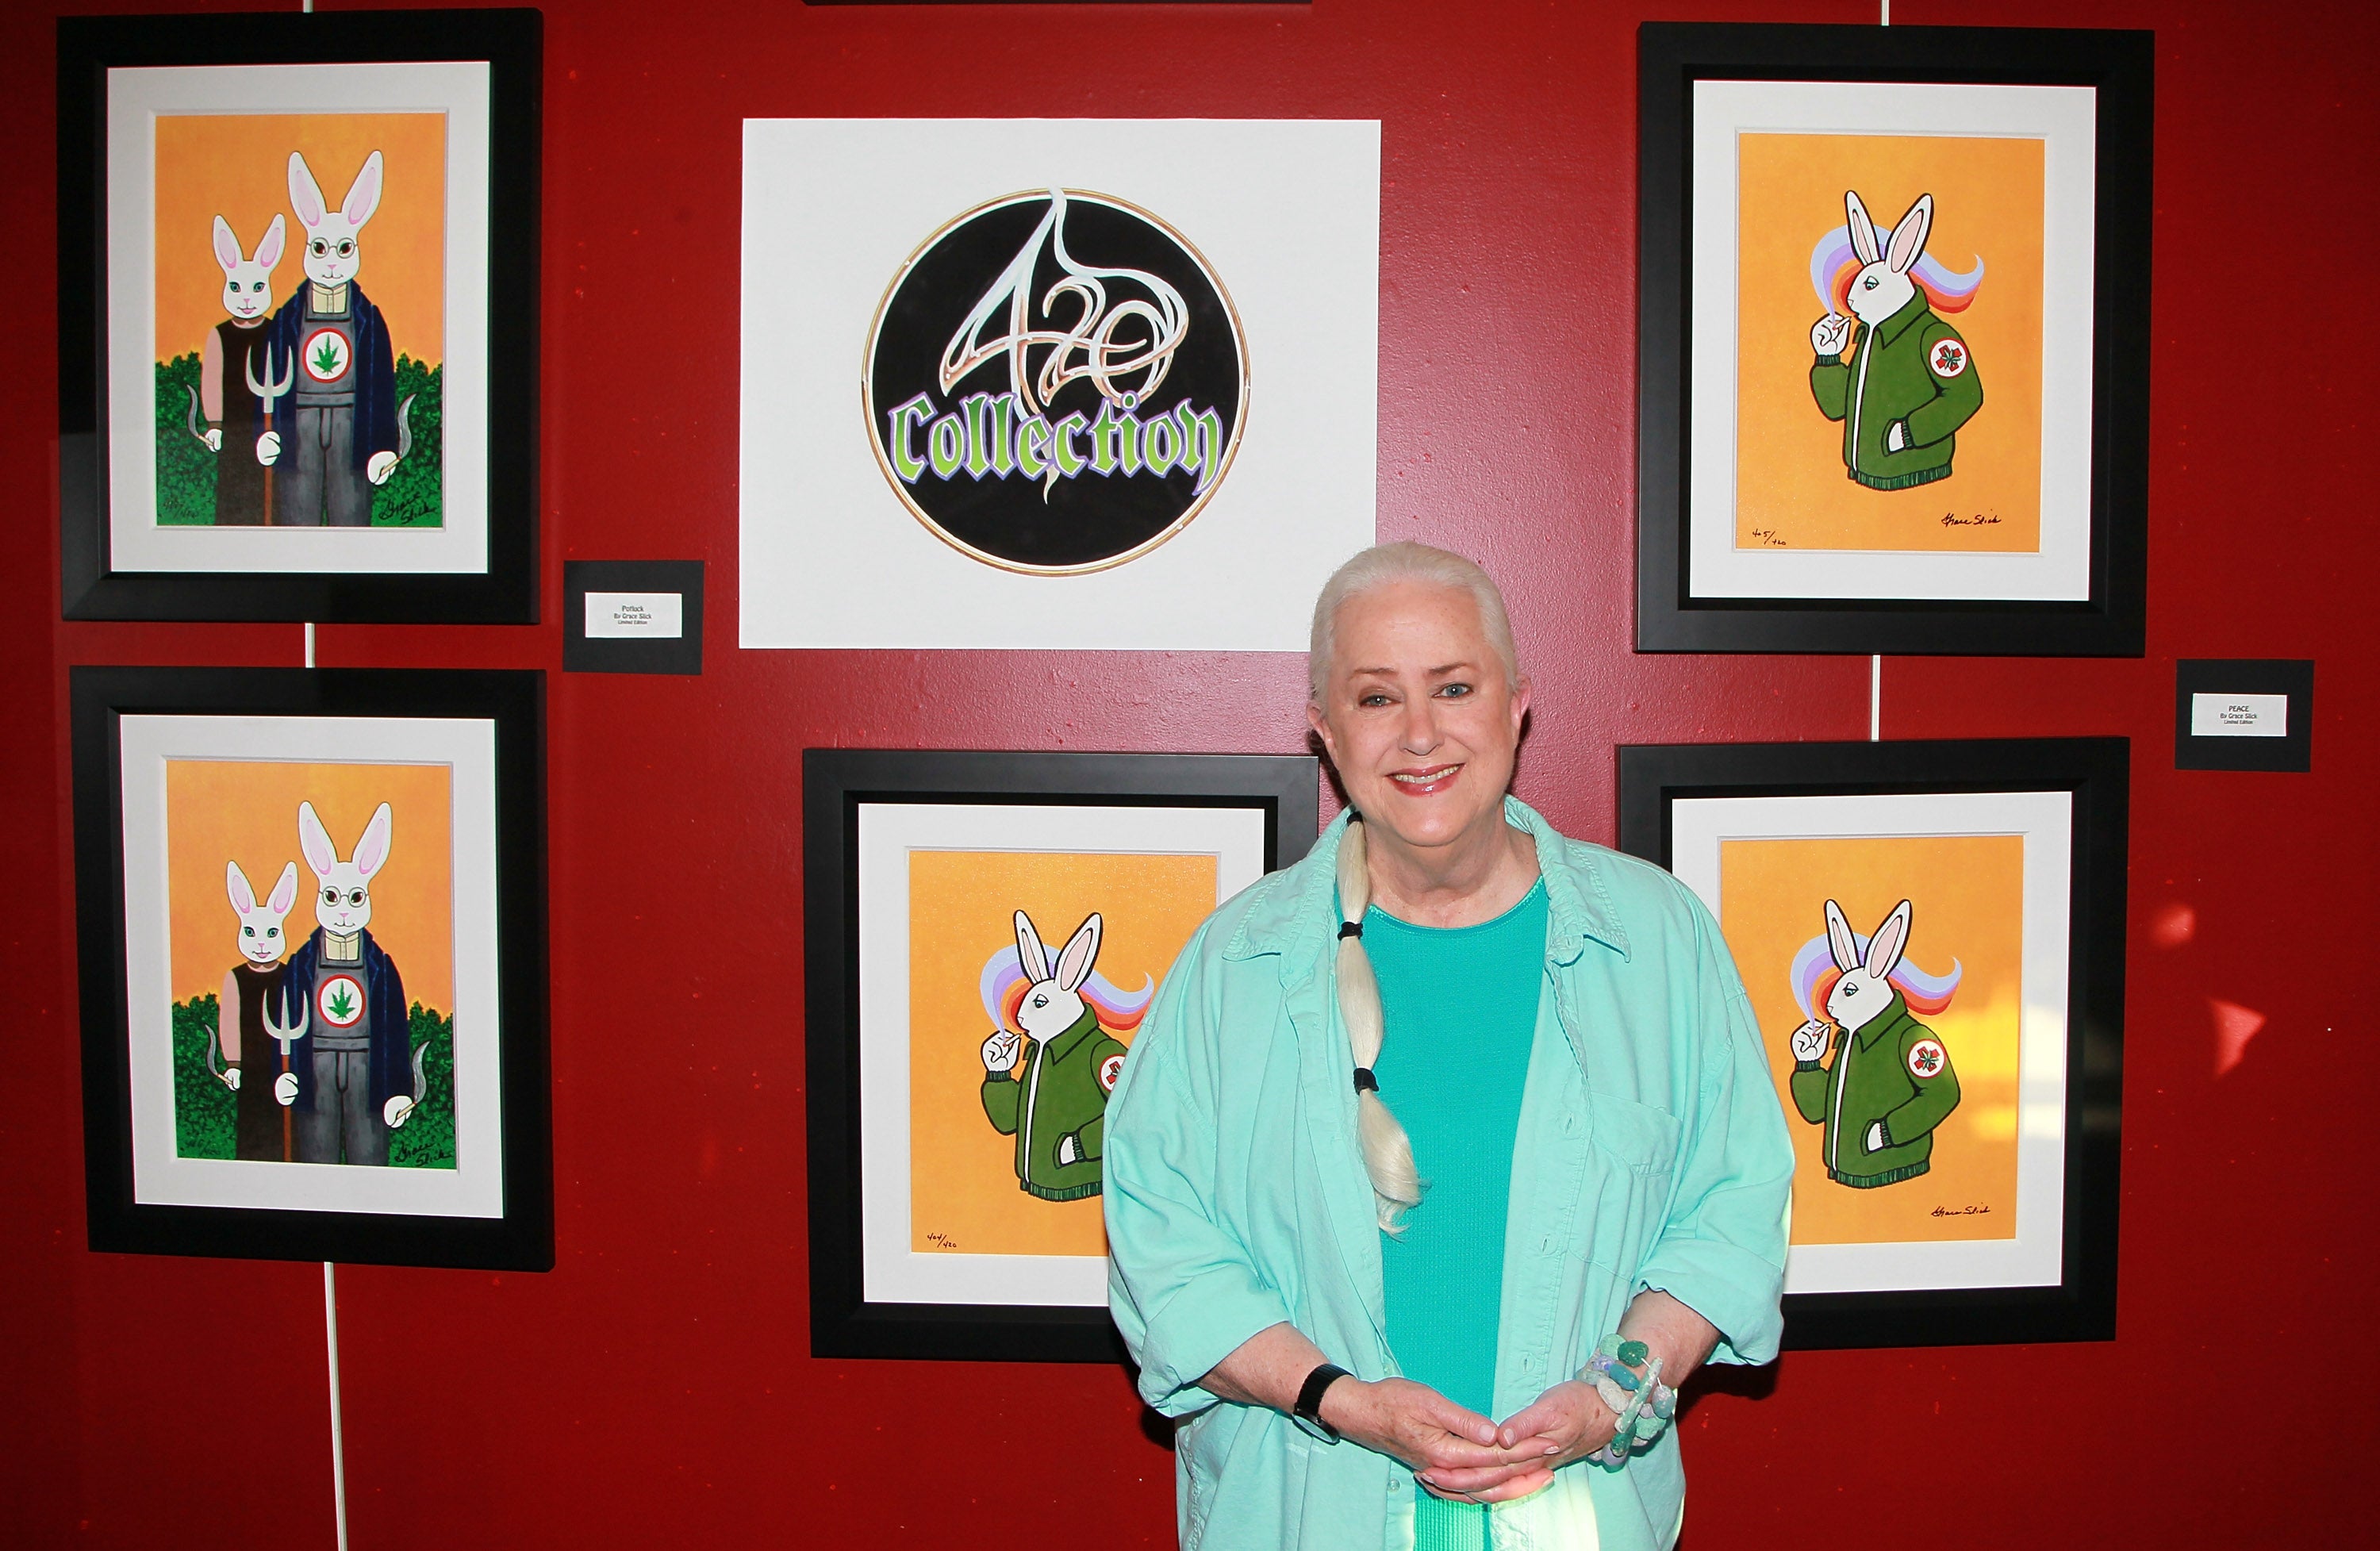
{"type": "Point", "coordinates": [1884, 1022]}
{"type": "Point", "coordinates": [1295, 916]}
{"type": "Point", "coordinates": [1892, 328]}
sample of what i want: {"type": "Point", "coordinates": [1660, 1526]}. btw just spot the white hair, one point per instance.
{"type": "Point", "coordinates": [1405, 561]}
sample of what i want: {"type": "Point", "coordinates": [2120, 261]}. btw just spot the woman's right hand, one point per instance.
{"type": "Point", "coordinates": [1414, 1424]}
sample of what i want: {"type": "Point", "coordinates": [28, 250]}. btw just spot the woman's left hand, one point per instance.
{"type": "Point", "coordinates": [1566, 1423]}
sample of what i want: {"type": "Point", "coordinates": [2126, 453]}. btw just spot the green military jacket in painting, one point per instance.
{"type": "Point", "coordinates": [1892, 1073]}
{"type": "Point", "coordinates": [1911, 370]}
{"type": "Point", "coordinates": [1058, 1093]}
{"type": "Point", "coordinates": [1651, 1153]}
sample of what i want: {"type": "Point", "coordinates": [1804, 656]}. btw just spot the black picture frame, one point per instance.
{"type": "Point", "coordinates": [844, 1321]}
{"type": "Point", "coordinates": [514, 703]}
{"type": "Point", "coordinates": [2096, 772]}
{"type": "Point", "coordinates": [1671, 616]}
{"type": "Point", "coordinates": [511, 42]}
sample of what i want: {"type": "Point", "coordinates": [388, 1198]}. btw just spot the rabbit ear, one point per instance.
{"type": "Point", "coordinates": [1909, 238]}
{"type": "Point", "coordinates": [315, 841]}
{"type": "Point", "coordinates": [1081, 951]}
{"type": "Point", "coordinates": [243, 897]}
{"type": "Point", "coordinates": [1839, 941]}
{"type": "Point", "coordinates": [227, 246]}
{"type": "Point", "coordinates": [1863, 229]}
{"type": "Point", "coordinates": [363, 194]}
{"type": "Point", "coordinates": [284, 893]}
{"type": "Point", "coordinates": [268, 252]}
{"type": "Point", "coordinates": [371, 852]}
{"type": "Point", "coordinates": [1884, 948]}
{"type": "Point", "coordinates": [305, 194]}
{"type": "Point", "coordinates": [1031, 956]}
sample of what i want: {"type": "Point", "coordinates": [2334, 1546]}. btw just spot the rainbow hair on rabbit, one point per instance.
{"type": "Point", "coordinates": [1388, 1151]}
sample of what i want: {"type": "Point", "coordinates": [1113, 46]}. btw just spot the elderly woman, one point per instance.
{"type": "Point", "coordinates": [1456, 1120]}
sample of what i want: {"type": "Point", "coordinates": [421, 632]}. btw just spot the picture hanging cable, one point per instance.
{"type": "Point", "coordinates": [1874, 695]}
{"type": "Point", "coordinates": [330, 1340]}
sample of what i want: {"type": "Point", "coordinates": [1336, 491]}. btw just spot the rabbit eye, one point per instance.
{"type": "Point", "coordinates": [247, 931]}
{"type": "Point", "coordinates": [1871, 283]}
{"type": "Point", "coordinates": [347, 246]}
{"type": "Point", "coordinates": [318, 247]}
{"type": "Point", "coordinates": [258, 287]}
{"type": "Point", "coordinates": [354, 896]}
{"type": "Point", "coordinates": [329, 896]}
{"type": "Point", "coordinates": [273, 931]}
{"type": "Point", "coordinates": [1040, 1001]}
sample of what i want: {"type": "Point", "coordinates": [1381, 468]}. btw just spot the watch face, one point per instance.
{"type": "Point", "coordinates": [1314, 1427]}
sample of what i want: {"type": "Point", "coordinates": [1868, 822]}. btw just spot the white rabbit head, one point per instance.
{"type": "Point", "coordinates": [1882, 287]}
{"type": "Point", "coordinates": [248, 283]}
{"type": "Point", "coordinates": [260, 941]}
{"type": "Point", "coordinates": [333, 255]}
{"type": "Point", "coordinates": [1052, 1003]}
{"type": "Point", "coordinates": [343, 890]}
{"type": "Point", "coordinates": [1865, 991]}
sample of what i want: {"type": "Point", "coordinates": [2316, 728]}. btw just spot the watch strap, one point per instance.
{"type": "Point", "coordinates": [1307, 1413]}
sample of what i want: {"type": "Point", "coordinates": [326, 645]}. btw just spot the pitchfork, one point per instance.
{"type": "Point", "coordinates": [268, 393]}
{"type": "Point", "coordinates": [283, 1031]}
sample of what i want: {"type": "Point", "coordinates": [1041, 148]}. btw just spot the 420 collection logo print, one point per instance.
{"type": "Point", "coordinates": [1056, 382]}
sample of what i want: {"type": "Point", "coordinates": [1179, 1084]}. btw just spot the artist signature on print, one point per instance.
{"type": "Point", "coordinates": [1980, 520]}
{"type": "Point", "coordinates": [1769, 538]}
{"type": "Point", "coordinates": [1961, 1211]}
{"type": "Point", "coordinates": [941, 1241]}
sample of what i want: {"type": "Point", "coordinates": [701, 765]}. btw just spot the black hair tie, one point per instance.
{"type": "Point", "coordinates": [1350, 928]}
{"type": "Point", "coordinates": [1366, 1082]}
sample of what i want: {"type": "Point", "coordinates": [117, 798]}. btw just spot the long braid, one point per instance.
{"type": "Point", "coordinates": [1388, 1151]}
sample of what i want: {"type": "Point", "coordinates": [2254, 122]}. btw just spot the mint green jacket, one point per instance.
{"type": "Point", "coordinates": [1652, 1153]}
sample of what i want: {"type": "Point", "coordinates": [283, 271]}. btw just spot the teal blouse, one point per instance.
{"type": "Point", "coordinates": [1650, 1151]}
{"type": "Point", "coordinates": [1461, 1009]}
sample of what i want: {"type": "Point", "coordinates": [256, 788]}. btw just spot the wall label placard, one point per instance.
{"type": "Point", "coordinates": [2244, 714]}
{"type": "Point", "coordinates": [632, 616]}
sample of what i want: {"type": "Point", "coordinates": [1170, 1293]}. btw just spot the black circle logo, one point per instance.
{"type": "Point", "coordinates": [1055, 383]}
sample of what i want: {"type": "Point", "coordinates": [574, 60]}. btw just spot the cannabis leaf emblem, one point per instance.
{"type": "Point", "coordinates": [341, 1006]}
{"type": "Point", "coordinates": [326, 357]}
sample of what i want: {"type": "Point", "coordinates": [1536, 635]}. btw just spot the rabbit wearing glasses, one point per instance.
{"type": "Point", "coordinates": [334, 434]}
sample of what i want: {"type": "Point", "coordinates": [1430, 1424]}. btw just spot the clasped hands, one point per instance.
{"type": "Point", "coordinates": [1457, 1454]}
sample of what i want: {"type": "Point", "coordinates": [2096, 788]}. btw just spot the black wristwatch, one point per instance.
{"type": "Point", "coordinates": [1308, 1412]}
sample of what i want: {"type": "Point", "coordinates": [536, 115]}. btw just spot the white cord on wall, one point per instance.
{"type": "Point", "coordinates": [1875, 699]}
{"type": "Point", "coordinates": [339, 1436]}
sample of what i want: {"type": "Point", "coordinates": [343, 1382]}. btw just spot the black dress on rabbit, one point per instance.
{"type": "Point", "coordinates": [239, 479]}
{"type": "Point", "coordinates": [257, 1126]}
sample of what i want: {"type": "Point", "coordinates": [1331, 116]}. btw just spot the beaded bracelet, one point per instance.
{"type": "Point", "coordinates": [1642, 1405]}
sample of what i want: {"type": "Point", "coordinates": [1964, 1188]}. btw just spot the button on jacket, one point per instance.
{"type": "Point", "coordinates": [1652, 1153]}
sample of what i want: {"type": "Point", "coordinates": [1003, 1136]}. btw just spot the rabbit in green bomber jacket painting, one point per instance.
{"type": "Point", "coordinates": [1048, 1085]}
{"type": "Point", "coordinates": [1910, 382]}
{"type": "Point", "coordinates": [1890, 1081]}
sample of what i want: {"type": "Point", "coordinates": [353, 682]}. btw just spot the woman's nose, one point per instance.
{"type": "Point", "coordinates": [1420, 729]}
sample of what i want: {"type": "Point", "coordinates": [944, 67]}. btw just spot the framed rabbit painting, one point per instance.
{"type": "Point", "coordinates": [1932, 936]}
{"type": "Point", "coordinates": [311, 910]}
{"type": "Point", "coordinates": [1894, 333]}
{"type": "Point", "coordinates": [297, 280]}
{"type": "Point", "coordinates": [986, 934]}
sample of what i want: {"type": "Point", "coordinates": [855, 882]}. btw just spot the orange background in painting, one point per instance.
{"type": "Point", "coordinates": [236, 165]}
{"type": "Point", "coordinates": [231, 810]}
{"type": "Point", "coordinates": [962, 906]}
{"type": "Point", "coordinates": [1790, 480]}
{"type": "Point", "coordinates": [1968, 894]}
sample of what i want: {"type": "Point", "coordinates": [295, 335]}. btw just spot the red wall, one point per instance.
{"type": "Point", "coordinates": [656, 1386]}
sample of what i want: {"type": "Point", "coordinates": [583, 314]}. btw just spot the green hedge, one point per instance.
{"type": "Point", "coordinates": [186, 470]}
{"type": "Point", "coordinates": [204, 1107]}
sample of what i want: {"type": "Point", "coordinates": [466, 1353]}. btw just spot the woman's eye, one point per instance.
{"type": "Point", "coordinates": [1454, 691]}
{"type": "Point", "coordinates": [1373, 700]}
